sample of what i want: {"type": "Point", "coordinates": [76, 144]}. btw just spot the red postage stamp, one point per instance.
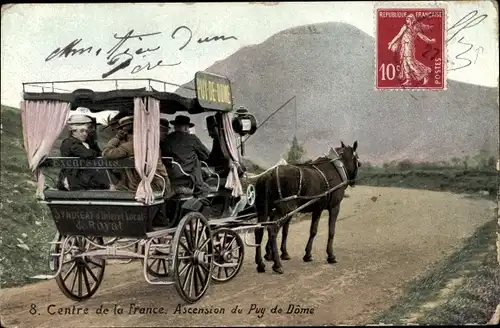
{"type": "Point", "coordinates": [410, 49]}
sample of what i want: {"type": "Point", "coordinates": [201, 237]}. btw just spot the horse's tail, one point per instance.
{"type": "Point", "coordinates": [262, 199]}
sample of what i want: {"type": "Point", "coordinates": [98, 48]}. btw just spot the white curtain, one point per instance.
{"type": "Point", "coordinates": [233, 181]}
{"type": "Point", "coordinates": [146, 145]}
{"type": "Point", "coordinates": [43, 122]}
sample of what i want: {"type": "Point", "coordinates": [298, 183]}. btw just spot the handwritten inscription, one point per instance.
{"type": "Point", "coordinates": [469, 52]}
{"type": "Point", "coordinates": [122, 54]}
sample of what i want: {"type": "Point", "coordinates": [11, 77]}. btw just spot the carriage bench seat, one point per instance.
{"type": "Point", "coordinates": [118, 195]}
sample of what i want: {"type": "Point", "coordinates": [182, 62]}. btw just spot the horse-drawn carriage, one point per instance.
{"type": "Point", "coordinates": [185, 248]}
{"type": "Point", "coordinates": [173, 237]}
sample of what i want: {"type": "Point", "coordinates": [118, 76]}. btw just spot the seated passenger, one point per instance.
{"type": "Point", "coordinates": [122, 146]}
{"type": "Point", "coordinates": [92, 135]}
{"type": "Point", "coordinates": [216, 159]}
{"type": "Point", "coordinates": [76, 146]}
{"type": "Point", "coordinates": [112, 127]}
{"type": "Point", "coordinates": [93, 143]}
{"type": "Point", "coordinates": [186, 149]}
{"type": "Point", "coordinates": [164, 129]}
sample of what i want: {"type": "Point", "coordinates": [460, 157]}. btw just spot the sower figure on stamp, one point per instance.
{"type": "Point", "coordinates": [122, 146]}
{"type": "Point", "coordinates": [404, 44]}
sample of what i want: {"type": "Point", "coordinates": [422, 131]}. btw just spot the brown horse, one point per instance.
{"type": "Point", "coordinates": [289, 187]}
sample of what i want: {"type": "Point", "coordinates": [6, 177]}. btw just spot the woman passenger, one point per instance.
{"type": "Point", "coordinates": [76, 145]}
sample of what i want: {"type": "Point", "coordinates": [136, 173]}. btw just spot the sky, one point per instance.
{"type": "Point", "coordinates": [32, 32]}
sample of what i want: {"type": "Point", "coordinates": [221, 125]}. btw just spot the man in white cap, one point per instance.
{"type": "Point", "coordinates": [92, 133]}
{"type": "Point", "coordinates": [122, 146]}
{"type": "Point", "coordinates": [76, 145]}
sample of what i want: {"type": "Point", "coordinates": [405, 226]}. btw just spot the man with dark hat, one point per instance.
{"type": "Point", "coordinates": [164, 127]}
{"type": "Point", "coordinates": [186, 149]}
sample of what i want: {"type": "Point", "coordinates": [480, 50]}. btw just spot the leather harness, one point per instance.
{"type": "Point", "coordinates": [339, 166]}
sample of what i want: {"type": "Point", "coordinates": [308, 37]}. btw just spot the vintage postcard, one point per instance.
{"type": "Point", "coordinates": [249, 164]}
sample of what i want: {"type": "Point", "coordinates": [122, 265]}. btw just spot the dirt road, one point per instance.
{"type": "Point", "coordinates": [385, 237]}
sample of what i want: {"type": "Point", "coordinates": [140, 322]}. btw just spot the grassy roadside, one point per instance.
{"type": "Point", "coordinates": [463, 289]}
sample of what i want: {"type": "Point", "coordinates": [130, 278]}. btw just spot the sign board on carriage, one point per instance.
{"type": "Point", "coordinates": [213, 91]}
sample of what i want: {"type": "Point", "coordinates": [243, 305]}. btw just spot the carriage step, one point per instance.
{"type": "Point", "coordinates": [43, 277]}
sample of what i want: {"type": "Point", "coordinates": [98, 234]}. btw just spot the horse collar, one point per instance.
{"type": "Point", "coordinates": [339, 165]}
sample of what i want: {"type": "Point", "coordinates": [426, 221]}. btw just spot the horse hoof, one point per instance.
{"type": "Point", "coordinates": [261, 269]}
{"type": "Point", "coordinates": [285, 257]}
{"type": "Point", "coordinates": [332, 260]}
{"type": "Point", "coordinates": [268, 257]}
{"type": "Point", "coordinates": [278, 270]}
{"type": "Point", "coordinates": [307, 258]}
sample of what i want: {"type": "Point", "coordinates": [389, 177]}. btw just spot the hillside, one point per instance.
{"type": "Point", "coordinates": [26, 226]}
{"type": "Point", "coordinates": [331, 72]}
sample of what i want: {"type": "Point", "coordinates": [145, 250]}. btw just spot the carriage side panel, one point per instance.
{"type": "Point", "coordinates": [89, 219]}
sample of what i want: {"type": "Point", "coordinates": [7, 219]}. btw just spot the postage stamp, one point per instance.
{"type": "Point", "coordinates": [410, 48]}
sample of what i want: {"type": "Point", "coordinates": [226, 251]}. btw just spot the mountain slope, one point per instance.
{"type": "Point", "coordinates": [330, 70]}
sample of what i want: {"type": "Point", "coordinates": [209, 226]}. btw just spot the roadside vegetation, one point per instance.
{"type": "Point", "coordinates": [26, 226]}
{"type": "Point", "coordinates": [463, 289]}
{"type": "Point", "coordinates": [475, 176]}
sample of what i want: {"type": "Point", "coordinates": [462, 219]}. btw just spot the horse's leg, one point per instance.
{"type": "Point", "coordinates": [332, 220]}
{"type": "Point", "coordinates": [273, 231]}
{"type": "Point", "coordinates": [259, 233]}
{"type": "Point", "coordinates": [284, 235]}
{"type": "Point", "coordinates": [312, 233]}
{"type": "Point", "coordinates": [268, 256]}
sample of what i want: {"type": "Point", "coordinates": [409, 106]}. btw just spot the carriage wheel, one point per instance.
{"type": "Point", "coordinates": [158, 267]}
{"type": "Point", "coordinates": [85, 273]}
{"type": "Point", "coordinates": [229, 253]}
{"type": "Point", "coordinates": [250, 194]}
{"type": "Point", "coordinates": [192, 257]}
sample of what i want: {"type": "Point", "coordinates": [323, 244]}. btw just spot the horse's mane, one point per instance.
{"type": "Point", "coordinates": [318, 160]}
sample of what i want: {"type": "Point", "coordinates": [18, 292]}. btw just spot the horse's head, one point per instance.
{"type": "Point", "coordinates": [351, 161]}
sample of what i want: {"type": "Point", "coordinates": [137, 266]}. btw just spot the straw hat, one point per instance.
{"type": "Point", "coordinates": [113, 122]}
{"type": "Point", "coordinates": [125, 121]}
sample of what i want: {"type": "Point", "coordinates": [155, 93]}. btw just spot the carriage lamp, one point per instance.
{"type": "Point", "coordinates": [244, 124]}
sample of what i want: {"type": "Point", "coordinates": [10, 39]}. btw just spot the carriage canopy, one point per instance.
{"type": "Point", "coordinates": [212, 93]}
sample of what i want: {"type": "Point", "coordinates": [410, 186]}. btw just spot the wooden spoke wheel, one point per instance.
{"type": "Point", "coordinates": [80, 276]}
{"type": "Point", "coordinates": [229, 253]}
{"type": "Point", "coordinates": [158, 265]}
{"type": "Point", "coordinates": [192, 250]}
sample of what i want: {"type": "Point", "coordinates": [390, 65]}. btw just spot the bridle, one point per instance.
{"type": "Point", "coordinates": [338, 158]}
